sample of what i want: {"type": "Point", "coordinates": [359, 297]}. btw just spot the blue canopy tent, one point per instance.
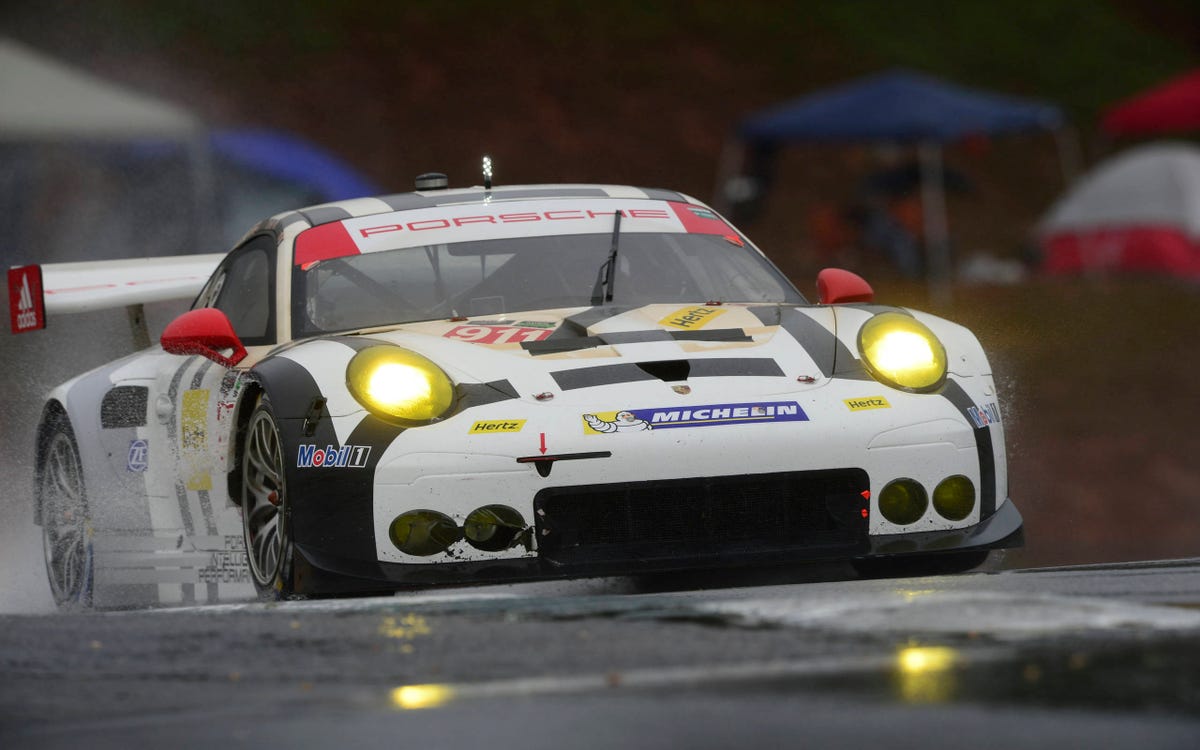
{"type": "Point", "coordinates": [899, 107]}
{"type": "Point", "coordinates": [262, 172]}
{"type": "Point", "coordinates": [292, 158]}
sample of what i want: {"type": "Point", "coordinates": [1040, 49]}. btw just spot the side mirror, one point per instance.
{"type": "Point", "coordinates": [836, 285]}
{"type": "Point", "coordinates": [206, 332]}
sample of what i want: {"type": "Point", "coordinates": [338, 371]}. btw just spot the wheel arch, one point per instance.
{"type": "Point", "coordinates": [248, 399]}
{"type": "Point", "coordinates": [53, 411]}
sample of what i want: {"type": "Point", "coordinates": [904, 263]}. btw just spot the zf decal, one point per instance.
{"type": "Point", "coordinates": [871, 402]}
{"type": "Point", "coordinates": [139, 456]}
{"type": "Point", "coordinates": [329, 457]}
{"type": "Point", "coordinates": [484, 426]}
{"type": "Point", "coordinates": [691, 318]}
{"type": "Point", "coordinates": [497, 334]}
{"type": "Point", "coordinates": [637, 420]}
{"type": "Point", "coordinates": [984, 415]}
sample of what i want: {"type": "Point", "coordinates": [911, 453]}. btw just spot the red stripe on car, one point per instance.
{"type": "Point", "coordinates": [322, 243]}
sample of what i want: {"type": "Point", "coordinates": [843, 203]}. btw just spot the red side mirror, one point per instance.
{"type": "Point", "coordinates": [836, 285]}
{"type": "Point", "coordinates": [206, 332]}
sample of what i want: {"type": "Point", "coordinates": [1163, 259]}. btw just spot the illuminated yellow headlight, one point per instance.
{"type": "Point", "coordinates": [399, 385]}
{"type": "Point", "coordinates": [900, 351]}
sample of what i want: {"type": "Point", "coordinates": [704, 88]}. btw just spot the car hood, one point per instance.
{"type": "Point", "coordinates": [570, 352]}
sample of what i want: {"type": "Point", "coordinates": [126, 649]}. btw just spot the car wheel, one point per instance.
{"type": "Point", "coordinates": [945, 563]}
{"type": "Point", "coordinates": [265, 507]}
{"type": "Point", "coordinates": [66, 527]}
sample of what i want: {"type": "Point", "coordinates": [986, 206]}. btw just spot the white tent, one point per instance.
{"type": "Point", "coordinates": [1158, 183]}
{"type": "Point", "coordinates": [1137, 211]}
{"type": "Point", "coordinates": [45, 100]}
{"type": "Point", "coordinates": [53, 115]}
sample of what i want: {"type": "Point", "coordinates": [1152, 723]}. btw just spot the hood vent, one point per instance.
{"type": "Point", "coordinates": [667, 371]}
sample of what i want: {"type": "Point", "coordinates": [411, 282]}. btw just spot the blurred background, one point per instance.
{"type": "Point", "coordinates": [1018, 167]}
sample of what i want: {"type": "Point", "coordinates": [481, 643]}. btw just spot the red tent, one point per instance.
{"type": "Point", "coordinates": [1173, 106]}
{"type": "Point", "coordinates": [1138, 211]}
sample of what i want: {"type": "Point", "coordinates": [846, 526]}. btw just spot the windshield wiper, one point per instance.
{"type": "Point", "coordinates": [606, 279]}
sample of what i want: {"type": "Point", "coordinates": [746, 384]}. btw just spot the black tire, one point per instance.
{"type": "Point", "coordinates": [909, 566]}
{"type": "Point", "coordinates": [66, 525]}
{"type": "Point", "coordinates": [265, 509]}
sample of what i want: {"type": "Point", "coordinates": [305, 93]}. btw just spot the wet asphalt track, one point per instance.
{"type": "Point", "coordinates": [1089, 657]}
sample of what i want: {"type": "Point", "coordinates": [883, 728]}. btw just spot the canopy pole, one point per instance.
{"type": "Point", "coordinates": [937, 241]}
{"type": "Point", "coordinates": [1070, 157]}
{"type": "Point", "coordinates": [206, 237]}
{"type": "Point", "coordinates": [729, 165]}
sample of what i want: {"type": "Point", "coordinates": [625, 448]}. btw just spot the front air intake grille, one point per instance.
{"type": "Point", "coordinates": [705, 517]}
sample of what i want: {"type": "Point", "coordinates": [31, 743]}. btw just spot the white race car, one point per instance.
{"type": "Point", "coordinates": [508, 383]}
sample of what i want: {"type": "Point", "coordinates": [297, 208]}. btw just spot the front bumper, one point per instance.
{"type": "Point", "coordinates": [320, 573]}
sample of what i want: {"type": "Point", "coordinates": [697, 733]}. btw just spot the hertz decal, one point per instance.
{"type": "Point", "coordinates": [691, 318]}
{"type": "Point", "coordinates": [485, 426]}
{"type": "Point", "coordinates": [870, 402]}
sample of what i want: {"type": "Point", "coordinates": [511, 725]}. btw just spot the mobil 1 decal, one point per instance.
{"type": "Point", "coordinates": [709, 415]}
{"type": "Point", "coordinates": [310, 456]}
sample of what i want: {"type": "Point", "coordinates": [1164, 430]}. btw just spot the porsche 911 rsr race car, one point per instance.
{"type": "Point", "coordinates": [509, 383]}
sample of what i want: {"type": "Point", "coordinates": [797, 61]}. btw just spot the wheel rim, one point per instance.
{"type": "Point", "coordinates": [263, 498]}
{"type": "Point", "coordinates": [64, 519]}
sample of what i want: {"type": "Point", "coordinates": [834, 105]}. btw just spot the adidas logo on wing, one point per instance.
{"type": "Point", "coordinates": [26, 314]}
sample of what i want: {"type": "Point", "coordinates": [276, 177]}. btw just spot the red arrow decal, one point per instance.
{"type": "Point", "coordinates": [543, 446]}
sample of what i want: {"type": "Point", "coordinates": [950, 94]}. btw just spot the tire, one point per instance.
{"type": "Point", "coordinates": [265, 509]}
{"type": "Point", "coordinates": [66, 525]}
{"type": "Point", "coordinates": [944, 563]}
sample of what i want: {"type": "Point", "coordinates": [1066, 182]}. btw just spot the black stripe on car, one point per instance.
{"type": "Point", "coordinates": [407, 201]}
{"type": "Point", "coordinates": [471, 395]}
{"type": "Point", "coordinates": [325, 215]}
{"type": "Point", "coordinates": [555, 346]}
{"type": "Point", "coordinates": [521, 194]}
{"type": "Point", "coordinates": [588, 377]}
{"type": "Point", "coordinates": [330, 508]}
{"type": "Point", "coordinates": [204, 496]}
{"type": "Point", "coordinates": [185, 512]}
{"type": "Point", "coordinates": [280, 223]}
{"type": "Point", "coordinates": [577, 325]}
{"type": "Point", "coordinates": [206, 509]}
{"type": "Point", "coordinates": [954, 393]}
{"type": "Point", "coordinates": [664, 195]}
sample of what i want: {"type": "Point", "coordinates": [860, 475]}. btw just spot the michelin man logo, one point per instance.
{"type": "Point", "coordinates": [622, 421]}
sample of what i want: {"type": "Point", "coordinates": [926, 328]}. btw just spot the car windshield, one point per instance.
{"type": "Point", "coordinates": [492, 277]}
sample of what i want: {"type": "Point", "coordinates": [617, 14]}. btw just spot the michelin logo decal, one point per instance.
{"type": "Point", "coordinates": [639, 420]}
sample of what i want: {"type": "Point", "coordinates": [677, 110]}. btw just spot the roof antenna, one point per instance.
{"type": "Point", "coordinates": [487, 173]}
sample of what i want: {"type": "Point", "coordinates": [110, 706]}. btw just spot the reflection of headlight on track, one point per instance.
{"type": "Point", "coordinates": [926, 674]}
{"type": "Point", "coordinates": [412, 697]}
{"type": "Point", "coordinates": [399, 385]}
{"type": "Point", "coordinates": [902, 352]}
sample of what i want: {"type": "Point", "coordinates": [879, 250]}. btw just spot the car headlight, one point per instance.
{"type": "Point", "coordinates": [399, 385]}
{"type": "Point", "coordinates": [902, 352]}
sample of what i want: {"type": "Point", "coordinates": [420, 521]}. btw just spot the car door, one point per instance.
{"type": "Point", "coordinates": [195, 405]}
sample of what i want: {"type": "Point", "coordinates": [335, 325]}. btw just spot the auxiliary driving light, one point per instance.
{"type": "Point", "coordinates": [398, 385]}
{"type": "Point", "coordinates": [954, 498]}
{"type": "Point", "coordinates": [902, 352]}
{"type": "Point", "coordinates": [493, 527]}
{"type": "Point", "coordinates": [903, 501]}
{"type": "Point", "coordinates": [423, 532]}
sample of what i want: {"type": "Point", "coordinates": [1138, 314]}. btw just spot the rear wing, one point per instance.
{"type": "Point", "coordinates": [39, 291]}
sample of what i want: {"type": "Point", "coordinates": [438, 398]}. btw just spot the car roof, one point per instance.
{"type": "Point", "coordinates": [325, 213]}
